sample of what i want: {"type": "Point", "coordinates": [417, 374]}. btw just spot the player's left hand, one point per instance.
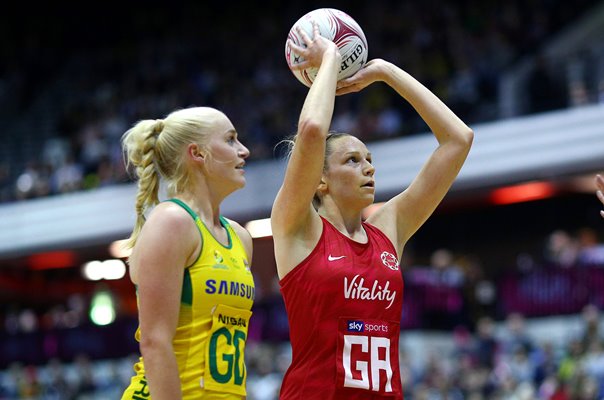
{"type": "Point", "coordinates": [372, 71]}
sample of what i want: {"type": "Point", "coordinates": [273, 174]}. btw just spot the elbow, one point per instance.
{"type": "Point", "coordinates": [466, 137]}
{"type": "Point", "coordinates": [469, 137]}
{"type": "Point", "coordinates": [151, 345]}
{"type": "Point", "coordinates": [311, 129]}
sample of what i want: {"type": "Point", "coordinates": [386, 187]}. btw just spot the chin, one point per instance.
{"type": "Point", "coordinates": [235, 184]}
{"type": "Point", "coordinates": [241, 183]}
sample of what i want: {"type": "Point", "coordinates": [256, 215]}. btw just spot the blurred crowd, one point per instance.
{"type": "Point", "coordinates": [483, 347]}
{"type": "Point", "coordinates": [94, 82]}
{"type": "Point", "coordinates": [496, 361]}
{"type": "Point", "coordinates": [511, 363]}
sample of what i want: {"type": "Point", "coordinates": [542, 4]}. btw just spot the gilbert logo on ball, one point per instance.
{"type": "Point", "coordinates": [338, 27]}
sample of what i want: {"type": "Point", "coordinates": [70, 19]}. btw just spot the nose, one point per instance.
{"type": "Point", "coordinates": [243, 152]}
{"type": "Point", "coordinates": [369, 169]}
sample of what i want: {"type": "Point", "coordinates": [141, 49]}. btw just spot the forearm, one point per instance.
{"type": "Point", "coordinates": [445, 125]}
{"type": "Point", "coordinates": [161, 371]}
{"type": "Point", "coordinates": [319, 104]}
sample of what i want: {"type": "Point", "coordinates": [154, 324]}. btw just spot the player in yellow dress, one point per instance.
{"type": "Point", "coordinates": [190, 265]}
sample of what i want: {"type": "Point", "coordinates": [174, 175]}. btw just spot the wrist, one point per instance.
{"type": "Point", "coordinates": [331, 55]}
{"type": "Point", "coordinates": [391, 74]}
{"type": "Point", "coordinates": [332, 51]}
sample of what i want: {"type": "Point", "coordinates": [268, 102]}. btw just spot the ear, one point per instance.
{"type": "Point", "coordinates": [195, 152]}
{"type": "Point", "coordinates": [322, 186]}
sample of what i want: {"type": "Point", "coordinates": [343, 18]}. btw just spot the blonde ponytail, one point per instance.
{"type": "Point", "coordinates": [139, 145]}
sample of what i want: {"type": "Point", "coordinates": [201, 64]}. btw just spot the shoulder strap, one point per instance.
{"type": "Point", "coordinates": [195, 218]}
{"type": "Point", "coordinates": [185, 206]}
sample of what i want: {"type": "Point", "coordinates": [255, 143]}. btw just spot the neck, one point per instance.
{"type": "Point", "coordinates": [207, 208]}
{"type": "Point", "coordinates": [349, 224]}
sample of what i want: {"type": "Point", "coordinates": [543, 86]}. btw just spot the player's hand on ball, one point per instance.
{"type": "Point", "coordinates": [334, 25]}
{"type": "Point", "coordinates": [314, 49]}
{"type": "Point", "coordinates": [372, 72]}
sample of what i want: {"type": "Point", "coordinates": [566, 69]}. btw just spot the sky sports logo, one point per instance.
{"type": "Point", "coordinates": [356, 326]}
{"type": "Point", "coordinates": [360, 326]}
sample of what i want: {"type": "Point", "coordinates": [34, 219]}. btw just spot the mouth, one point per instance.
{"type": "Point", "coordinates": [370, 184]}
{"type": "Point", "coordinates": [240, 166]}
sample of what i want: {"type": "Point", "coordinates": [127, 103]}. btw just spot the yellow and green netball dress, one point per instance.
{"type": "Point", "coordinates": [217, 296]}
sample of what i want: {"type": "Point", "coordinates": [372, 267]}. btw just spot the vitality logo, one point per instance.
{"type": "Point", "coordinates": [355, 289]}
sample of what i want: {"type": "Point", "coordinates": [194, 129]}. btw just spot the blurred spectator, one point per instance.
{"type": "Point", "coordinates": [56, 386]}
{"type": "Point", "coordinates": [28, 321]}
{"type": "Point", "coordinates": [67, 177]}
{"type": "Point", "coordinates": [591, 330]}
{"type": "Point", "coordinates": [546, 92]}
{"type": "Point", "coordinates": [6, 182]}
{"type": "Point", "coordinates": [85, 384]}
{"type": "Point", "coordinates": [264, 378]}
{"type": "Point", "coordinates": [515, 336]}
{"type": "Point", "coordinates": [593, 366]}
{"type": "Point", "coordinates": [28, 385]}
{"type": "Point", "coordinates": [33, 181]}
{"type": "Point", "coordinates": [269, 312]}
{"type": "Point", "coordinates": [590, 251]}
{"type": "Point", "coordinates": [570, 362]}
{"type": "Point", "coordinates": [479, 291]}
{"type": "Point", "coordinates": [561, 249]}
{"type": "Point", "coordinates": [578, 94]}
{"type": "Point", "coordinates": [93, 148]}
{"type": "Point", "coordinates": [521, 368]}
{"type": "Point", "coordinates": [487, 346]}
{"type": "Point", "coordinates": [546, 367]}
{"type": "Point", "coordinates": [55, 152]}
{"type": "Point", "coordinates": [443, 297]}
{"type": "Point", "coordinates": [446, 270]}
{"type": "Point", "coordinates": [552, 389]}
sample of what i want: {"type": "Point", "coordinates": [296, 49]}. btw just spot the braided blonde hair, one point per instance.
{"type": "Point", "coordinates": [157, 149]}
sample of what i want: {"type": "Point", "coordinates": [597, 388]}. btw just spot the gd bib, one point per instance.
{"type": "Point", "coordinates": [225, 365]}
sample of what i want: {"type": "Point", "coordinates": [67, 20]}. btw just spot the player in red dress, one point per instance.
{"type": "Point", "coordinates": [340, 275]}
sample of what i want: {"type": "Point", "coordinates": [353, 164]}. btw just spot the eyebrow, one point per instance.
{"type": "Point", "coordinates": [355, 152]}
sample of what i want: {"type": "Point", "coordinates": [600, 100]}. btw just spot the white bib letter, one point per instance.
{"type": "Point", "coordinates": [349, 381]}
{"type": "Point", "coordinates": [377, 364]}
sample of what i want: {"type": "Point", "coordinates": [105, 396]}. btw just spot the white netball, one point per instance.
{"type": "Point", "coordinates": [338, 27]}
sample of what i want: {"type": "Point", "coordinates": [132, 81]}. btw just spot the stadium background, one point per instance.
{"type": "Point", "coordinates": [516, 245]}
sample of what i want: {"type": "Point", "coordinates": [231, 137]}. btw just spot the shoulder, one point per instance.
{"type": "Point", "coordinates": [170, 216]}
{"type": "Point", "coordinates": [377, 233]}
{"type": "Point", "coordinates": [239, 230]}
{"type": "Point", "coordinates": [373, 231]}
{"type": "Point", "coordinates": [169, 233]}
{"type": "Point", "coordinates": [385, 220]}
{"type": "Point", "coordinates": [242, 234]}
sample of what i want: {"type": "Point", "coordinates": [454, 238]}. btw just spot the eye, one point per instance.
{"type": "Point", "coordinates": [353, 159]}
{"type": "Point", "coordinates": [231, 139]}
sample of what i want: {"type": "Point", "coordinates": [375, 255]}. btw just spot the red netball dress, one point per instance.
{"type": "Point", "coordinates": [344, 304]}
